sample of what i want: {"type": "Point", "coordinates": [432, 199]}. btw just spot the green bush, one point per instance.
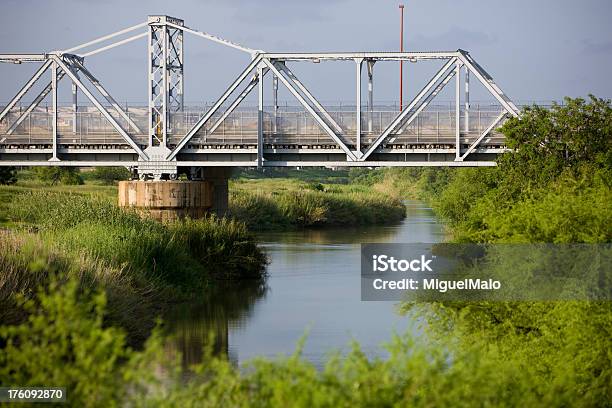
{"type": "Point", "coordinates": [65, 343]}
{"type": "Point", "coordinates": [552, 187]}
{"type": "Point", "coordinates": [59, 175]}
{"type": "Point", "coordinates": [8, 175]}
{"type": "Point", "coordinates": [110, 175]}
{"type": "Point", "coordinates": [544, 355]}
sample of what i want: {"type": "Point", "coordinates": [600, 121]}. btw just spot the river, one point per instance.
{"type": "Point", "coordinates": [313, 287]}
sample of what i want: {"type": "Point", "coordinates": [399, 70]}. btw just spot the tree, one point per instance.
{"type": "Point", "coordinates": [546, 142]}
{"type": "Point", "coordinates": [8, 175]}
{"type": "Point", "coordinates": [59, 175]}
{"type": "Point", "coordinates": [110, 175]}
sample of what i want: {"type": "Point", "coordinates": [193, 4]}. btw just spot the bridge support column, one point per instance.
{"type": "Point", "coordinates": [167, 200]}
{"type": "Point", "coordinates": [173, 200]}
{"type": "Point", "coordinates": [218, 177]}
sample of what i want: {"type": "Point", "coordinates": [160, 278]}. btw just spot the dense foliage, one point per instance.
{"type": "Point", "coordinates": [56, 175]}
{"type": "Point", "coordinates": [110, 175]}
{"type": "Point", "coordinates": [65, 341]}
{"type": "Point", "coordinates": [553, 187]}
{"type": "Point", "coordinates": [8, 175]}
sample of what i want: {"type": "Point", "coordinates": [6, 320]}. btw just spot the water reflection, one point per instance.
{"type": "Point", "coordinates": [314, 284]}
{"type": "Point", "coordinates": [192, 325]}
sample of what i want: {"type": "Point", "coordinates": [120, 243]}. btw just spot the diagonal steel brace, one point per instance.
{"type": "Point", "coordinates": [350, 155]}
{"type": "Point", "coordinates": [101, 108]}
{"type": "Point", "coordinates": [399, 118]}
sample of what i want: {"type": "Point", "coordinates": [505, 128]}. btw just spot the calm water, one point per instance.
{"type": "Point", "coordinates": [313, 285]}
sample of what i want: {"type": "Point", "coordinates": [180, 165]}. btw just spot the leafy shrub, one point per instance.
{"type": "Point", "coordinates": [110, 175]}
{"type": "Point", "coordinates": [8, 175]}
{"type": "Point", "coordinates": [64, 342]}
{"type": "Point", "coordinates": [59, 175]}
{"type": "Point", "coordinates": [315, 186]}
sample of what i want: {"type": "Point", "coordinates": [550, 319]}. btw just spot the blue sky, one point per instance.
{"type": "Point", "coordinates": [536, 50]}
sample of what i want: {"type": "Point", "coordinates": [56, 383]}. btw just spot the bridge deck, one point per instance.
{"type": "Point", "coordinates": [287, 131]}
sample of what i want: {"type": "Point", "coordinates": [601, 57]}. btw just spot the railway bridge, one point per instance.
{"type": "Point", "coordinates": [167, 137]}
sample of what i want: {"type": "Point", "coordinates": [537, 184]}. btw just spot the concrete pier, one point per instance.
{"type": "Point", "coordinates": [218, 177]}
{"type": "Point", "coordinates": [168, 200]}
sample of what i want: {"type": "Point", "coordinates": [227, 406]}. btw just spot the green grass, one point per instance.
{"type": "Point", "coordinates": [179, 253]}
{"type": "Point", "coordinates": [140, 263]}
{"type": "Point", "coordinates": [7, 193]}
{"type": "Point", "coordinates": [289, 203]}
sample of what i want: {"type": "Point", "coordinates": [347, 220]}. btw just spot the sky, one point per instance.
{"type": "Point", "coordinates": [536, 50]}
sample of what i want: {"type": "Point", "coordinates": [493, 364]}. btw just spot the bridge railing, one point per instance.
{"type": "Point", "coordinates": [286, 125]}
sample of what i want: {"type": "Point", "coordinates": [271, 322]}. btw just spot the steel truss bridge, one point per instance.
{"type": "Point", "coordinates": [159, 139]}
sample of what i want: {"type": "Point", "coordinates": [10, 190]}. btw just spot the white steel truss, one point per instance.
{"type": "Point", "coordinates": [166, 96]}
{"type": "Point", "coordinates": [166, 86]}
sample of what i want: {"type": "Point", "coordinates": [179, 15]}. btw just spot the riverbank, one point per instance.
{"type": "Point", "coordinates": [77, 231]}
{"type": "Point", "coordinates": [554, 188]}
{"type": "Point", "coordinates": [140, 264]}
{"type": "Point", "coordinates": [278, 203]}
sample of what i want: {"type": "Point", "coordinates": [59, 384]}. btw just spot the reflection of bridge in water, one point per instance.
{"type": "Point", "coordinates": [167, 135]}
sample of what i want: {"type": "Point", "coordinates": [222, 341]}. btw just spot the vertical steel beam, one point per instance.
{"type": "Point", "coordinates": [370, 66]}
{"type": "Point", "coordinates": [467, 100]}
{"type": "Point", "coordinates": [275, 102]}
{"type": "Point", "coordinates": [54, 117]}
{"type": "Point", "coordinates": [164, 86]}
{"type": "Point", "coordinates": [75, 107]}
{"type": "Point", "coordinates": [358, 62]}
{"type": "Point", "coordinates": [457, 110]}
{"type": "Point", "coordinates": [260, 116]}
{"type": "Point", "coordinates": [180, 78]}
{"type": "Point", "coordinates": [150, 78]}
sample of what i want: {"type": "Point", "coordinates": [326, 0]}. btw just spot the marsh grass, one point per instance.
{"type": "Point", "coordinates": [28, 264]}
{"type": "Point", "coordinates": [139, 263]}
{"type": "Point", "coordinates": [279, 203]}
{"type": "Point", "coordinates": [184, 255]}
